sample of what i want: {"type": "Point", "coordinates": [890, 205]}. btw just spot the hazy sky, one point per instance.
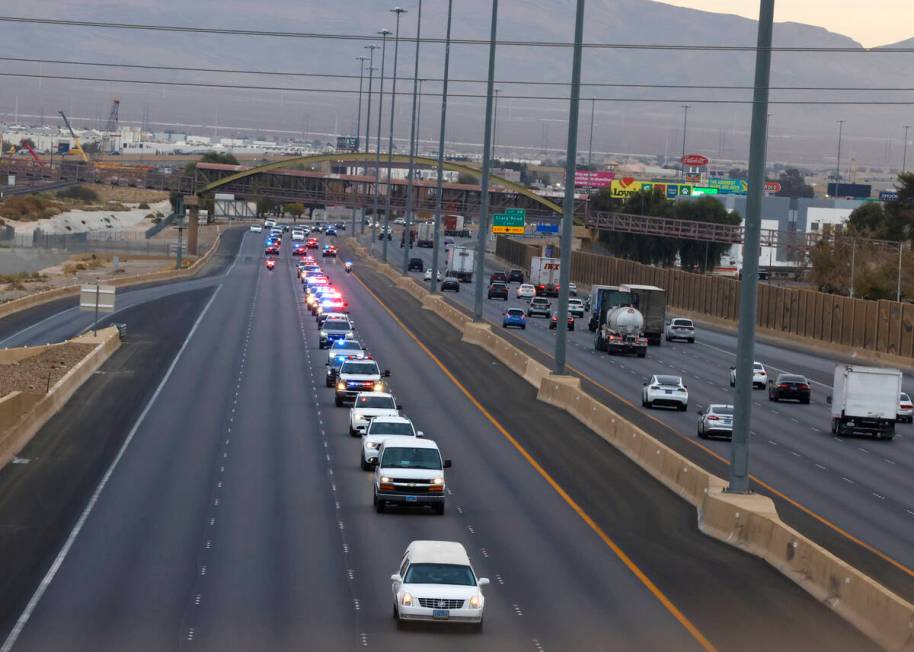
{"type": "Point", "coordinates": [878, 22]}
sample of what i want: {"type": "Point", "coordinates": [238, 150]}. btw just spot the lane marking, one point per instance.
{"type": "Point", "coordinates": [77, 528]}
{"type": "Point", "coordinates": [584, 516]}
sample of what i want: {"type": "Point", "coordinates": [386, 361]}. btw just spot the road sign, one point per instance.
{"type": "Point", "coordinates": [547, 227]}
{"type": "Point", "coordinates": [516, 211]}
{"type": "Point", "coordinates": [773, 187]}
{"type": "Point", "coordinates": [509, 230]}
{"type": "Point", "coordinates": [516, 218]}
{"type": "Point", "coordinates": [97, 298]}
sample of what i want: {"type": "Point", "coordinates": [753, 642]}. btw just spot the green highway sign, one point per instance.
{"type": "Point", "coordinates": [516, 211]}
{"type": "Point", "coordinates": [510, 219]}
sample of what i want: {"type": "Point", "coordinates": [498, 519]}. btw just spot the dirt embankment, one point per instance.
{"type": "Point", "coordinates": [38, 373]}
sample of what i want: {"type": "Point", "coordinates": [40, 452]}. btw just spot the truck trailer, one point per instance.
{"type": "Point", "coordinates": [461, 262]}
{"type": "Point", "coordinates": [651, 303]}
{"type": "Point", "coordinates": [864, 401]}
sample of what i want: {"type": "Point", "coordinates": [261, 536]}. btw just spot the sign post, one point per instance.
{"type": "Point", "coordinates": [98, 298]}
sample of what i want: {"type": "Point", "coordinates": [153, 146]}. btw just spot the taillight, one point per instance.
{"type": "Point", "coordinates": [803, 386]}
{"type": "Point", "coordinates": [784, 386]}
{"type": "Point", "coordinates": [713, 418]}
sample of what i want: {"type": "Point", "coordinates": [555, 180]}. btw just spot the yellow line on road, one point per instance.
{"type": "Point", "coordinates": [624, 558]}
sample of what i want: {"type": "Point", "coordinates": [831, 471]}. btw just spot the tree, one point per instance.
{"type": "Point", "coordinates": [793, 184]}
{"type": "Point", "coordinates": [704, 256]}
{"type": "Point", "coordinates": [265, 206]}
{"type": "Point", "coordinates": [296, 210]}
{"type": "Point", "coordinates": [223, 158]}
{"type": "Point", "coordinates": [736, 173]}
{"type": "Point", "coordinates": [894, 221]}
{"type": "Point", "coordinates": [868, 219]}
{"type": "Point", "coordinates": [467, 179]}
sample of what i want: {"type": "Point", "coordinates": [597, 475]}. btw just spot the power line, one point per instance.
{"type": "Point", "coordinates": [292, 89]}
{"type": "Point", "coordinates": [227, 31]}
{"type": "Point", "coordinates": [279, 73]}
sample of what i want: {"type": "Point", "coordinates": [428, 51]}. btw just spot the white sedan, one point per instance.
{"type": "Point", "coordinates": [665, 390]}
{"type": "Point", "coordinates": [256, 228]}
{"type": "Point", "coordinates": [526, 291]}
{"type": "Point", "coordinates": [759, 376]}
{"type": "Point", "coordinates": [437, 583]}
{"type": "Point", "coordinates": [428, 274]}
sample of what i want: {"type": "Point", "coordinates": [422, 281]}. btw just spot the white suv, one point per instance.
{"type": "Point", "coordinates": [437, 583]}
{"type": "Point", "coordinates": [759, 376]}
{"type": "Point", "coordinates": [367, 406]}
{"type": "Point", "coordinates": [409, 473]}
{"type": "Point", "coordinates": [665, 390]}
{"type": "Point", "coordinates": [379, 429]}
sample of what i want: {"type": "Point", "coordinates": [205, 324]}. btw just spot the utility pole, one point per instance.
{"type": "Point", "coordinates": [898, 289]}
{"type": "Point", "coordinates": [371, 69]}
{"type": "Point", "coordinates": [441, 133]}
{"type": "Point", "coordinates": [593, 102]}
{"type": "Point", "coordinates": [486, 165]}
{"type": "Point", "coordinates": [904, 158]}
{"type": "Point", "coordinates": [495, 124]}
{"type": "Point", "coordinates": [390, 136]}
{"type": "Point", "coordinates": [413, 137]}
{"type": "Point", "coordinates": [358, 121]}
{"type": "Point", "coordinates": [838, 158]}
{"type": "Point", "coordinates": [685, 123]}
{"type": "Point", "coordinates": [571, 156]}
{"type": "Point", "coordinates": [745, 344]}
{"type": "Point", "coordinates": [377, 162]}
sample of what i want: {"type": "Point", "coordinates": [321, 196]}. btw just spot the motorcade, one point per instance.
{"type": "Point", "coordinates": [409, 473]}
{"type": "Point", "coordinates": [335, 329]}
{"type": "Point", "coordinates": [329, 251]}
{"type": "Point", "coordinates": [311, 243]}
{"type": "Point", "coordinates": [370, 405]}
{"type": "Point", "coordinates": [357, 376]}
{"type": "Point", "coordinates": [379, 429]}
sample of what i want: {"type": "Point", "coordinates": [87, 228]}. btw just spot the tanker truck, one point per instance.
{"type": "Point", "coordinates": [622, 332]}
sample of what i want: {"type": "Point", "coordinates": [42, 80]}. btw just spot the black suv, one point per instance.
{"type": "Point", "coordinates": [415, 264]}
{"type": "Point", "coordinates": [498, 291]}
{"type": "Point", "coordinates": [516, 276]}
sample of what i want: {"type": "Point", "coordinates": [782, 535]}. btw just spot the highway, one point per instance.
{"type": "Point", "coordinates": [235, 517]}
{"type": "Point", "coordinates": [861, 486]}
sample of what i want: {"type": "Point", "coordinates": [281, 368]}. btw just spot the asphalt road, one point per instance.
{"type": "Point", "coordinates": [861, 486]}
{"type": "Point", "coordinates": [237, 516]}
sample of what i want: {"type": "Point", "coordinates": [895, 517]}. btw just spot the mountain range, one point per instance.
{"type": "Point", "coordinates": [798, 132]}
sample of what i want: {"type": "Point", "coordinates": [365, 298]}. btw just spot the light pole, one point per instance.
{"type": "Point", "coordinates": [745, 343]}
{"type": "Point", "coordinates": [904, 158]}
{"type": "Point", "coordinates": [571, 156]}
{"type": "Point", "coordinates": [413, 137]}
{"type": "Point", "coordinates": [593, 102]}
{"type": "Point", "coordinates": [685, 124]}
{"type": "Point", "coordinates": [371, 69]}
{"type": "Point", "coordinates": [390, 135]}
{"type": "Point", "coordinates": [358, 122]}
{"type": "Point", "coordinates": [377, 160]}
{"type": "Point", "coordinates": [440, 189]}
{"type": "Point", "coordinates": [484, 182]}
{"type": "Point", "coordinates": [838, 158]}
{"type": "Point", "coordinates": [495, 124]}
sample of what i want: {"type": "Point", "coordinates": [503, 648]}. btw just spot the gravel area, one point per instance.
{"type": "Point", "coordinates": [31, 374]}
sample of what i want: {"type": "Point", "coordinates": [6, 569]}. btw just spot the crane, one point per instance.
{"type": "Point", "coordinates": [31, 150]}
{"type": "Point", "coordinates": [76, 148]}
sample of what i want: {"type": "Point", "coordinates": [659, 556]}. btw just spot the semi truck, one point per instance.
{"type": "Point", "coordinates": [544, 275]}
{"type": "Point", "coordinates": [602, 298]}
{"type": "Point", "coordinates": [426, 235]}
{"type": "Point", "coordinates": [651, 303]}
{"type": "Point", "coordinates": [461, 262]}
{"type": "Point", "coordinates": [622, 332]}
{"type": "Point", "coordinates": [455, 226]}
{"type": "Point", "coordinates": [864, 401]}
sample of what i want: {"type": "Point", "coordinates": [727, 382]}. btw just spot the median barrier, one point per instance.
{"type": "Point", "coordinates": [40, 408]}
{"type": "Point", "coordinates": [38, 298]}
{"type": "Point", "coordinates": [749, 522]}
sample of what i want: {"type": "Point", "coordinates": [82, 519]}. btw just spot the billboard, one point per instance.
{"type": "Point", "coordinates": [695, 160]}
{"type": "Point", "coordinates": [728, 186]}
{"type": "Point", "coordinates": [347, 143]}
{"type": "Point", "coordinates": [622, 188]}
{"type": "Point", "coordinates": [888, 195]}
{"type": "Point", "coordinates": [595, 179]}
{"type": "Point", "coordinates": [855, 190]}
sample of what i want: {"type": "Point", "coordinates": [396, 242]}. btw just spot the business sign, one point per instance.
{"type": "Point", "coordinates": [888, 195]}
{"type": "Point", "coordinates": [773, 187]}
{"type": "Point", "coordinates": [623, 188]}
{"type": "Point", "coordinates": [695, 160]}
{"type": "Point", "coordinates": [547, 227]}
{"type": "Point", "coordinates": [854, 190]}
{"type": "Point", "coordinates": [595, 179]}
{"type": "Point", "coordinates": [728, 186]}
{"type": "Point", "coordinates": [698, 191]}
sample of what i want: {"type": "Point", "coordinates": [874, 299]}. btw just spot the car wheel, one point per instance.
{"type": "Point", "coordinates": [701, 434]}
{"type": "Point", "coordinates": [771, 397]}
{"type": "Point", "coordinates": [378, 505]}
{"type": "Point", "coordinates": [365, 465]}
{"type": "Point", "coordinates": [804, 401]}
{"type": "Point", "coordinates": [691, 340]}
{"type": "Point", "coordinates": [649, 405]}
{"type": "Point", "coordinates": [524, 327]}
{"type": "Point", "coordinates": [642, 354]}
{"type": "Point", "coordinates": [338, 401]}
{"type": "Point", "coordinates": [683, 407]}
{"type": "Point", "coordinates": [439, 509]}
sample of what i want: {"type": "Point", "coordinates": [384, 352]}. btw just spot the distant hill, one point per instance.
{"type": "Point", "coordinates": [805, 133]}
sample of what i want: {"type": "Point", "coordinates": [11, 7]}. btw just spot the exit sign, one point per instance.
{"type": "Point", "coordinates": [508, 230]}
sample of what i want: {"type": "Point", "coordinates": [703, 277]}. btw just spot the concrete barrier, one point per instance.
{"type": "Point", "coordinates": [41, 408]}
{"type": "Point", "coordinates": [32, 300]}
{"type": "Point", "coordinates": [749, 522]}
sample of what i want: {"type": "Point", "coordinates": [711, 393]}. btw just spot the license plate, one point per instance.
{"type": "Point", "coordinates": [412, 499]}
{"type": "Point", "coordinates": [668, 391]}
{"type": "Point", "coordinates": [440, 613]}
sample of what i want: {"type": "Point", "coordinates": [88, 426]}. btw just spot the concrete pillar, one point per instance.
{"type": "Point", "coordinates": [193, 221]}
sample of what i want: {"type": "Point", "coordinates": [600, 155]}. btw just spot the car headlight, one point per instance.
{"type": "Point", "coordinates": [371, 444]}
{"type": "Point", "coordinates": [407, 600]}
{"type": "Point", "coordinates": [323, 333]}
{"type": "Point", "coordinates": [384, 479]}
{"type": "Point", "coordinates": [475, 601]}
{"type": "Point", "coordinates": [350, 335]}
{"type": "Point", "coordinates": [379, 386]}
{"type": "Point", "coordinates": [341, 385]}
{"type": "Point", "coordinates": [438, 481]}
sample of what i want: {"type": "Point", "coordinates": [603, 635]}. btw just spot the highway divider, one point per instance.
{"type": "Point", "coordinates": [22, 414]}
{"type": "Point", "coordinates": [39, 298]}
{"type": "Point", "coordinates": [749, 522]}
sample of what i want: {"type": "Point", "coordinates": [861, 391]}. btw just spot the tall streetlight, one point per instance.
{"type": "Point", "coordinates": [593, 103]}
{"type": "Point", "coordinates": [358, 121]}
{"type": "Point", "coordinates": [904, 158]}
{"type": "Point", "coordinates": [440, 189]}
{"type": "Point", "coordinates": [571, 157]}
{"type": "Point", "coordinates": [495, 123]}
{"type": "Point", "coordinates": [390, 136]}
{"type": "Point", "coordinates": [838, 158]}
{"type": "Point", "coordinates": [685, 124]}
{"type": "Point", "coordinates": [413, 137]}
{"type": "Point", "coordinates": [371, 48]}
{"type": "Point", "coordinates": [745, 343]}
{"type": "Point", "coordinates": [377, 159]}
{"type": "Point", "coordinates": [486, 166]}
